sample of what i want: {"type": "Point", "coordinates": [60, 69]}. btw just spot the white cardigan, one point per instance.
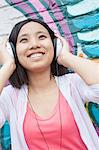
{"type": "Point", "coordinates": [13, 104]}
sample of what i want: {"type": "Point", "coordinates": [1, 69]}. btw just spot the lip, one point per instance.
{"type": "Point", "coordinates": [35, 52]}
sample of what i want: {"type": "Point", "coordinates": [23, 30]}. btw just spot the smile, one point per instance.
{"type": "Point", "coordinates": [35, 53]}
{"type": "Point", "coordinates": [36, 56]}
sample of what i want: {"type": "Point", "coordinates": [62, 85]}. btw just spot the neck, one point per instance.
{"type": "Point", "coordinates": [39, 81]}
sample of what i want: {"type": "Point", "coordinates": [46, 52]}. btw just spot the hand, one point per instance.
{"type": "Point", "coordinates": [5, 57]}
{"type": "Point", "coordinates": [64, 51]}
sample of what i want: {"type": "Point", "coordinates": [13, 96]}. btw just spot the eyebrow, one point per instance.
{"type": "Point", "coordinates": [36, 33]}
{"type": "Point", "coordinates": [23, 35]}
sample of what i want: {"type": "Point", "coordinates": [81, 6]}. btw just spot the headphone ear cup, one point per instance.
{"type": "Point", "coordinates": [55, 45]}
{"type": "Point", "coordinates": [58, 47]}
{"type": "Point", "coordinates": [13, 48]}
{"type": "Point", "coordinates": [55, 42]}
{"type": "Point", "coordinates": [10, 49]}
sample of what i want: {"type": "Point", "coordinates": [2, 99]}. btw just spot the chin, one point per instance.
{"type": "Point", "coordinates": [38, 69]}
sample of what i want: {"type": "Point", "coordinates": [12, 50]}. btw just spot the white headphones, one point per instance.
{"type": "Point", "coordinates": [58, 47]}
{"type": "Point", "coordinates": [9, 49]}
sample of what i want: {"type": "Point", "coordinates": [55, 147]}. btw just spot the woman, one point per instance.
{"type": "Point", "coordinates": [45, 111]}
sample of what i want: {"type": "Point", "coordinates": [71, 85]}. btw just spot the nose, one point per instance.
{"type": "Point", "coordinates": [33, 44]}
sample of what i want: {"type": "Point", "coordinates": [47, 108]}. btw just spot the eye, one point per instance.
{"type": "Point", "coordinates": [24, 40]}
{"type": "Point", "coordinates": [42, 37]}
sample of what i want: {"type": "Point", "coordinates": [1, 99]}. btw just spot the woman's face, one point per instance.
{"type": "Point", "coordinates": [34, 47]}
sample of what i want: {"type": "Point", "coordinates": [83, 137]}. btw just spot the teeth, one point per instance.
{"type": "Point", "coordinates": [36, 55]}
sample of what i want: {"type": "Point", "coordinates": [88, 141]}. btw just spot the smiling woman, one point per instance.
{"type": "Point", "coordinates": [34, 46]}
{"type": "Point", "coordinates": [29, 41]}
{"type": "Point", "coordinates": [41, 98]}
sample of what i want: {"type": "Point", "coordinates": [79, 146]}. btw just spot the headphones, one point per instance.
{"type": "Point", "coordinates": [10, 49]}
{"type": "Point", "coordinates": [57, 45]}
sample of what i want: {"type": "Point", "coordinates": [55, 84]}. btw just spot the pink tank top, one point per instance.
{"type": "Point", "coordinates": [50, 127]}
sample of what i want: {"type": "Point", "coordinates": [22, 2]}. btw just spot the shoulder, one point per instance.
{"type": "Point", "coordinates": [10, 90]}
{"type": "Point", "coordinates": [66, 80]}
{"type": "Point", "coordinates": [7, 90]}
{"type": "Point", "coordinates": [69, 77]}
{"type": "Point", "coordinates": [8, 93]}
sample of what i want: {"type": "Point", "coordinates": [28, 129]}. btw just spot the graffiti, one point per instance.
{"type": "Point", "coordinates": [86, 22]}
{"type": "Point", "coordinates": [49, 11]}
{"type": "Point", "coordinates": [76, 20]}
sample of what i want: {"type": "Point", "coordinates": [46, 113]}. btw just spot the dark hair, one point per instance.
{"type": "Point", "coordinates": [19, 76]}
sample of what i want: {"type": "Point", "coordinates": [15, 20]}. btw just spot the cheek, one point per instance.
{"type": "Point", "coordinates": [20, 54]}
{"type": "Point", "coordinates": [50, 47]}
{"type": "Point", "coordinates": [51, 55]}
{"type": "Point", "coordinates": [20, 49]}
{"type": "Point", "coordinates": [51, 51]}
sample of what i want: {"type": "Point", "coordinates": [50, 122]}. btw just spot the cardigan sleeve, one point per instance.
{"type": "Point", "coordinates": [4, 106]}
{"type": "Point", "coordinates": [87, 92]}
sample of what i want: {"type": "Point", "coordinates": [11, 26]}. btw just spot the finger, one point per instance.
{"type": "Point", "coordinates": [4, 40]}
{"type": "Point", "coordinates": [4, 43]}
{"type": "Point", "coordinates": [63, 40]}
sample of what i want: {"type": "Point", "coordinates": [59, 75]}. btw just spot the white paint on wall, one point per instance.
{"type": "Point", "coordinates": [83, 7]}
{"type": "Point", "coordinates": [89, 36]}
{"type": "Point", "coordinates": [9, 16]}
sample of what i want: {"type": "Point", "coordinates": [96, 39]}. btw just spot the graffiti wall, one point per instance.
{"type": "Point", "coordinates": [76, 20]}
